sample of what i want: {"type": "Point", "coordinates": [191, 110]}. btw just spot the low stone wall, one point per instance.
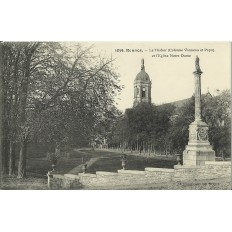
{"type": "Point", "coordinates": [122, 178]}
{"type": "Point", "coordinates": [131, 178]}
{"type": "Point", "coordinates": [211, 170]}
{"type": "Point", "coordinates": [67, 181]}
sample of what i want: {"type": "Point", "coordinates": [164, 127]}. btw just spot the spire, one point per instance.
{"type": "Point", "coordinates": [142, 64]}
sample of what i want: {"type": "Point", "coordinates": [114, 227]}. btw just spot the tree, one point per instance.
{"type": "Point", "coordinates": [55, 92]}
{"type": "Point", "coordinates": [215, 112]}
{"type": "Point", "coordinates": [145, 125]}
{"type": "Point", "coordinates": [87, 103]}
{"type": "Point", "coordinates": [10, 77]}
{"type": "Point", "coordinates": [166, 127]}
{"type": "Point", "coordinates": [178, 133]}
{"type": "Point", "coordinates": [1, 114]}
{"type": "Point", "coordinates": [28, 51]}
{"type": "Point", "coordinates": [217, 115]}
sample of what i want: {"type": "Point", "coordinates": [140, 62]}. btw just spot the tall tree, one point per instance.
{"type": "Point", "coordinates": [1, 113]}
{"type": "Point", "coordinates": [29, 51]}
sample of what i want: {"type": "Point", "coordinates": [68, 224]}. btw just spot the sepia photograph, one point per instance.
{"type": "Point", "coordinates": [115, 115]}
{"type": "Point", "coordinates": [120, 110]}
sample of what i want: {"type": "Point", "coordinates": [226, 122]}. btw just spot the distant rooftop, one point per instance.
{"type": "Point", "coordinates": [180, 103]}
{"type": "Point", "coordinates": [177, 104]}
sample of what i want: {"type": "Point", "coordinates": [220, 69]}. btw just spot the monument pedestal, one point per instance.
{"type": "Point", "coordinates": [197, 155]}
{"type": "Point", "coordinates": [198, 149]}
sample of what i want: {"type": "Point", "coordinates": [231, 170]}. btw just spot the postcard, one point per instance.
{"type": "Point", "coordinates": [115, 115]}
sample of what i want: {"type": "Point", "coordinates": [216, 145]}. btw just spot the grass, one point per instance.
{"type": "Point", "coordinates": [111, 162]}
{"type": "Point", "coordinates": [42, 165]}
{"type": "Point", "coordinates": [106, 161]}
{"type": "Point", "coordinates": [28, 183]}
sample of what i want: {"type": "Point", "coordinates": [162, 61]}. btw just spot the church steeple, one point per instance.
{"type": "Point", "coordinates": [142, 86]}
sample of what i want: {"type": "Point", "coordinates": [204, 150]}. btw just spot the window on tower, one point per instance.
{"type": "Point", "coordinates": [144, 92]}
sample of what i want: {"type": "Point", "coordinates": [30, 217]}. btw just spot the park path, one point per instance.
{"type": "Point", "coordinates": [89, 163]}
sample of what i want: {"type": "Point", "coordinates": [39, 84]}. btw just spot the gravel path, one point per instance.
{"type": "Point", "coordinates": [78, 169]}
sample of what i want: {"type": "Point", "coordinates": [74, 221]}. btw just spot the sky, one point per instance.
{"type": "Point", "coordinates": [170, 66]}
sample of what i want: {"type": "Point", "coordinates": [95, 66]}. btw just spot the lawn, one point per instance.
{"type": "Point", "coordinates": [106, 161]}
{"type": "Point", "coordinates": [42, 165]}
{"type": "Point", "coordinates": [111, 162]}
{"type": "Point", "coordinates": [28, 183]}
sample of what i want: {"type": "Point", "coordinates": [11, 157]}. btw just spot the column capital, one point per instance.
{"type": "Point", "coordinates": [197, 73]}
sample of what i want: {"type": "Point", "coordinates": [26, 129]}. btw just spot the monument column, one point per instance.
{"type": "Point", "coordinates": [197, 75]}
{"type": "Point", "coordinates": [198, 149]}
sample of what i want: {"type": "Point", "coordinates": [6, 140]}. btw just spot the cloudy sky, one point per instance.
{"type": "Point", "coordinates": [171, 68]}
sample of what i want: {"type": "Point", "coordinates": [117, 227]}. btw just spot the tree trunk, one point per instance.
{"type": "Point", "coordinates": [5, 131]}
{"type": "Point", "coordinates": [5, 156]}
{"type": "Point", "coordinates": [23, 102]}
{"type": "Point", "coordinates": [1, 113]}
{"type": "Point", "coordinates": [14, 114]}
{"type": "Point", "coordinates": [22, 159]}
{"type": "Point", "coordinates": [12, 159]}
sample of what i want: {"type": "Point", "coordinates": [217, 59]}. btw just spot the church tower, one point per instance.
{"type": "Point", "coordinates": [142, 87]}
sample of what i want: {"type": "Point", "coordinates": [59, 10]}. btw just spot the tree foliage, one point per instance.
{"type": "Point", "coordinates": [144, 125]}
{"type": "Point", "coordinates": [59, 93]}
{"type": "Point", "coordinates": [164, 128]}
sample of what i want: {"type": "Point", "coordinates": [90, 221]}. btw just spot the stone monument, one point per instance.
{"type": "Point", "coordinates": [198, 149]}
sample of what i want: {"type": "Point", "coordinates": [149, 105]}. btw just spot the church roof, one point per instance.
{"type": "Point", "coordinates": [142, 75]}
{"type": "Point", "coordinates": [181, 103]}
